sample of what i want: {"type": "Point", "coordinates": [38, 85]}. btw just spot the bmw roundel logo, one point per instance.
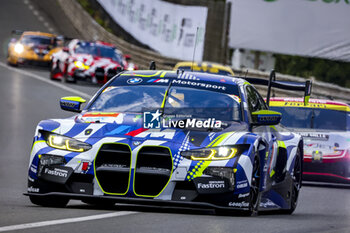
{"type": "Point", "coordinates": [134, 80]}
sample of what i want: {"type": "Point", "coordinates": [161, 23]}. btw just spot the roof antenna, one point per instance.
{"type": "Point", "coordinates": [194, 49]}
{"type": "Point", "coordinates": [246, 74]}
{"type": "Point", "coordinates": [152, 65]}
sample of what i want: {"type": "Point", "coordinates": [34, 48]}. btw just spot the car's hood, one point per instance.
{"type": "Point", "coordinates": [101, 125]}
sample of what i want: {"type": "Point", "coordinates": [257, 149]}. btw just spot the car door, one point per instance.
{"type": "Point", "coordinates": [256, 103]}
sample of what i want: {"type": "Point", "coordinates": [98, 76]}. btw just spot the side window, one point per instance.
{"type": "Point", "coordinates": [255, 101]}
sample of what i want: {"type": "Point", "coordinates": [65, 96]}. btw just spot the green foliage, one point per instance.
{"type": "Point", "coordinates": [325, 70]}
{"type": "Point", "coordinates": [95, 14]}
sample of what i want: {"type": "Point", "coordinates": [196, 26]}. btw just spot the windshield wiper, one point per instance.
{"type": "Point", "coordinates": [165, 98]}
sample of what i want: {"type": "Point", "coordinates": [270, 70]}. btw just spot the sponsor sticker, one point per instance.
{"type": "Point", "coordinates": [207, 185]}
{"type": "Point", "coordinates": [31, 189]}
{"type": "Point", "coordinates": [212, 184]}
{"type": "Point", "coordinates": [134, 80]}
{"type": "Point", "coordinates": [57, 174]}
{"type": "Point", "coordinates": [153, 120]}
{"type": "Point", "coordinates": [241, 195]}
{"type": "Point", "coordinates": [199, 84]}
{"type": "Point", "coordinates": [242, 184]}
{"type": "Point", "coordinates": [238, 204]}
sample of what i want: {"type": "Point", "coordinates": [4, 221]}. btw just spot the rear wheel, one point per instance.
{"type": "Point", "coordinates": [49, 201]}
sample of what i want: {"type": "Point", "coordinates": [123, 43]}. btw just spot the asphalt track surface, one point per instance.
{"type": "Point", "coordinates": [28, 96]}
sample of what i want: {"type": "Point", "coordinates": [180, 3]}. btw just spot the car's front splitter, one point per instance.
{"type": "Point", "coordinates": [137, 201]}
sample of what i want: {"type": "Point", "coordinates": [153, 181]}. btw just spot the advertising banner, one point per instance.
{"type": "Point", "coordinates": [316, 28]}
{"type": "Point", "coordinates": [167, 28]}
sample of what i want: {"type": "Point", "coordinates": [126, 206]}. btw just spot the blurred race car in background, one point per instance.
{"type": "Point", "coordinates": [95, 62]}
{"type": "Point", "coordinates": [206, 67]}
{"type": "Point", "coordinates": [33, 48]}
{"type": "Point", "coordinates": [325, 126]}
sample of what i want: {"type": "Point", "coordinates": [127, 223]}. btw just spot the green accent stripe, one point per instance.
{"type": "Point", "coordinates": [36, 142]}
{"type": "Point", "coordinates": [74, 98]}
{"type": "Point", "coordinates": [164, 98]}
{"type": "Point", "coordinates": [143, 75]}
{"type": "Point", "coordinates": [281, 144]}
{"type": "Point", "coordinates": [224, 136]}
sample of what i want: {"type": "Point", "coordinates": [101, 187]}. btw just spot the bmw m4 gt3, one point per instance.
{"type": "Point", "coordinates": [172, 139]}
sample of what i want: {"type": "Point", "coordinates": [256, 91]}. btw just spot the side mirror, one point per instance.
{"type": "Point", "coordinates": [266, 117]}
{"type": "Point", "coordinates": [71, 103]}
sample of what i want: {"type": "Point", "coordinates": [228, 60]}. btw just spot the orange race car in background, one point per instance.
{"type": "Point", "coordinates": [33, 48]}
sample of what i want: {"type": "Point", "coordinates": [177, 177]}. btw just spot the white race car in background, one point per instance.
{"type": "Point", "coordinates": [95, 62]}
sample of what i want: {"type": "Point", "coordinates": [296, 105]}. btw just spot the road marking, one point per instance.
{"type": "Point", "coordinates": [56, 84]}
{"type": "Point", "coordinates": [64, 221]}
{"type": "Point", "coordinates": [40, 18]}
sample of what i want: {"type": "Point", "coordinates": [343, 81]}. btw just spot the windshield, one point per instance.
{"type": "Point", "coordinates": [38, 40]}
{"type": "Point", "coordinates": [99, 50]}
{"type": "Point", "coordinates": [314, 118]}
{"type": "Point", "coordinates": [181, 100]}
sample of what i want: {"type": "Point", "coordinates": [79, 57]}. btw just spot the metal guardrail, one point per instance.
{"type": "Point", "coordinates": [91, 30]}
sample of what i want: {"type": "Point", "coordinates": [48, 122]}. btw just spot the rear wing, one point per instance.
{"type": "Point", "coordinates": [285, 85]}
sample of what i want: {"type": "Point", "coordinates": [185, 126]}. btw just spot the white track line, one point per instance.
{"type": "Point", "coordinates": [37, 14]}
{"type": "Point", "coordinates": [56, 84]}
{"type": "Point", "coordinates": [64, 221]}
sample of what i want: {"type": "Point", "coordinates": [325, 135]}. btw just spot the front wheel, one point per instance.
{"type": "Point", "coordinates": [254, 195]}
{"type": "Point", "coordinates": [296, 183]}
{"type": "Point", "coordinates": [49, 201]}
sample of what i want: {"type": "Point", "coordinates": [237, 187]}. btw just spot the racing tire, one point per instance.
{"type": "Point", "coordinates": [12, 64]}
{"type": "Point", "coordinates": [52, 70]}
{"type": "Point", "coordinates": [296, 183]}
{"type": "Point", "coordinates": [65, 79]}
{"type": "Point", "coordinates": [254, 195]}
{"type": "Point", "coordinates": [49, 201]}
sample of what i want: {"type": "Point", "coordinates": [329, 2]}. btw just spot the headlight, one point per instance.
{"type": "Point", "coordinates": [81, 65]}
{"type": "Point", "coordinates": [65, 143]}
{"type": "Point", "coordinates": [213, 153]}
{"type": "Point", "coordinates": [131, 66]}
{"type": "Point", "coordinates": [19, 48]}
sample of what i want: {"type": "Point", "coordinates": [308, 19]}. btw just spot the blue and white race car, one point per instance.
{"type": "Point", "coordinates": [172, 139]}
